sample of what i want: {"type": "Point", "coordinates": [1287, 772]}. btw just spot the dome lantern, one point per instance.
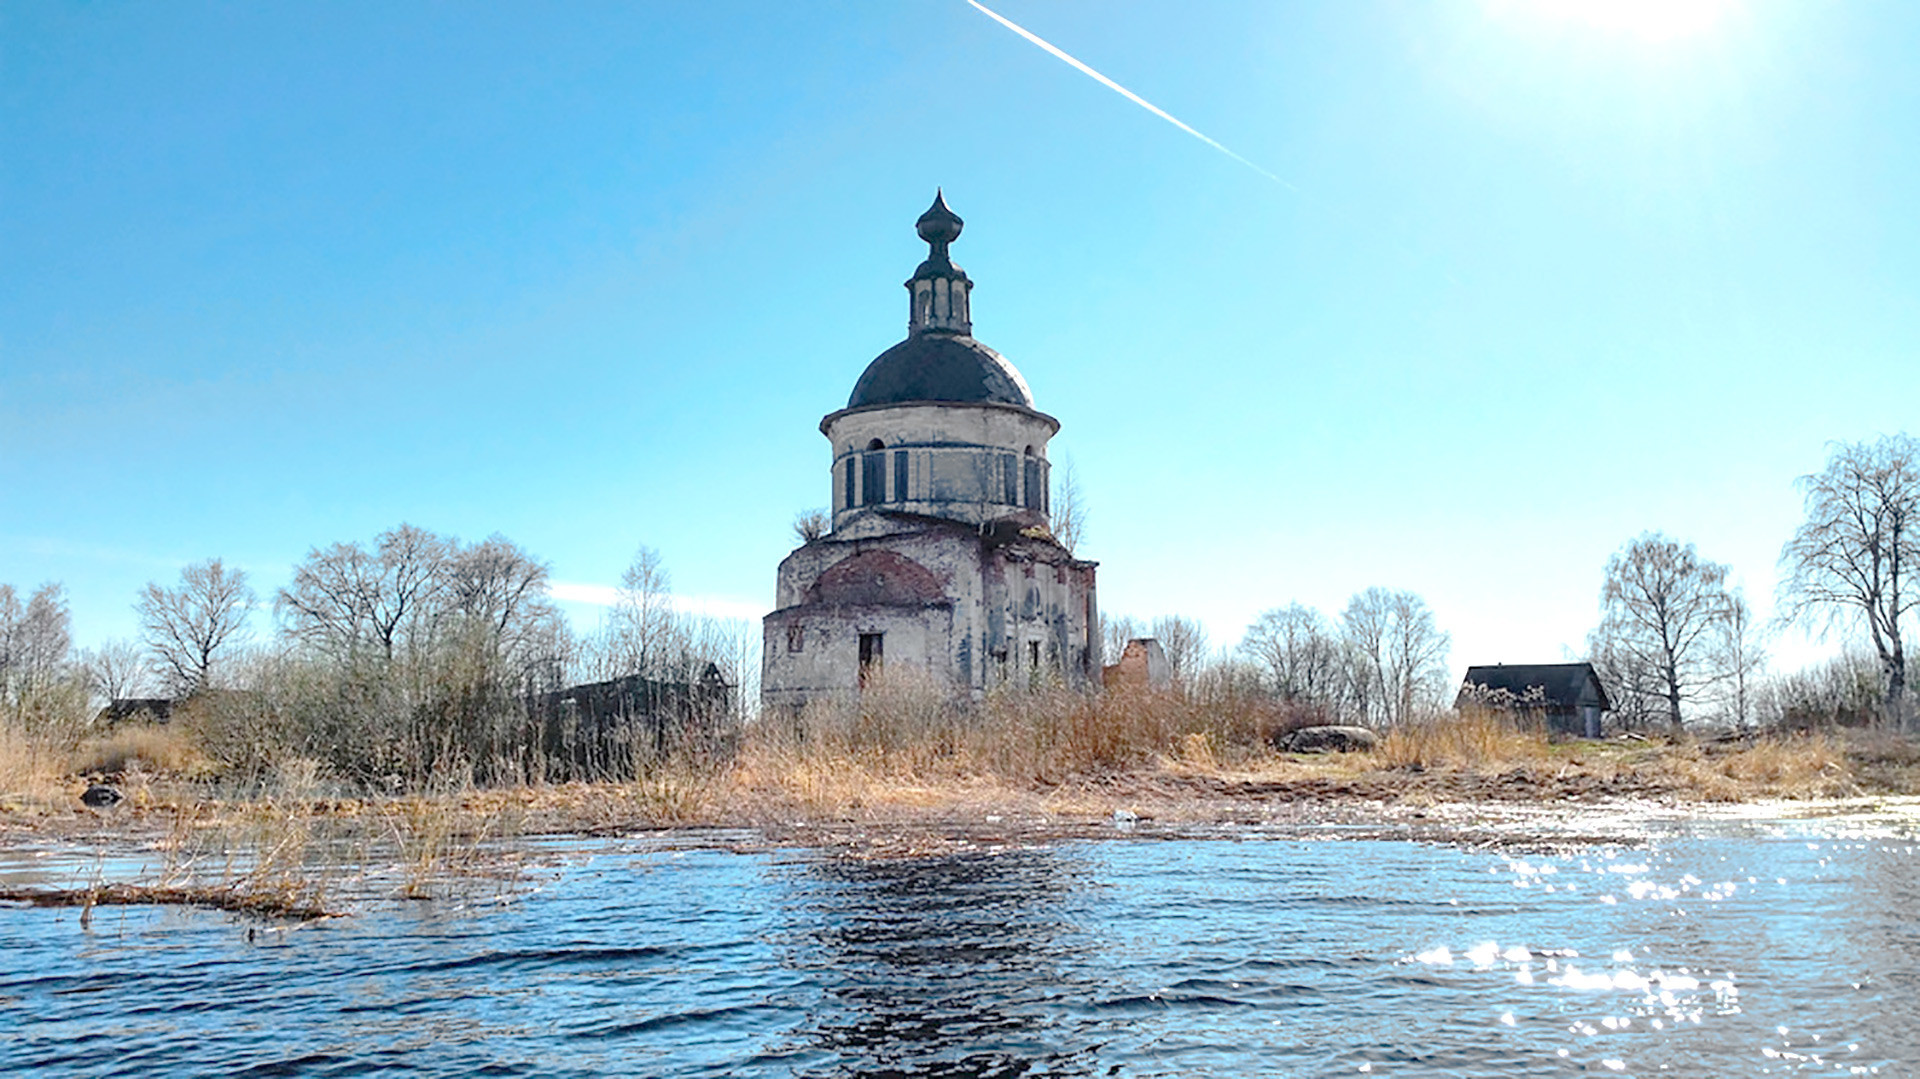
{"type": "Point", "coordinates": [939, 290]}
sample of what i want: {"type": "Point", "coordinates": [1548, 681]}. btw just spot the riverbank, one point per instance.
{"type": "Point", "coordinates": [820, 794]}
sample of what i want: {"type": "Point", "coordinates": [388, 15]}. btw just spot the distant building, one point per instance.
{"type": "Point", "coordinates": [135, 710]}
{"type": "Point", "coordinates": [1567, 697]}
{"type": "Point", "coordinates": [1143, 664]}
{"type": "Point", "coordinates": [940, 559]}
{"type": "Point", "coordinates": [604, 729]}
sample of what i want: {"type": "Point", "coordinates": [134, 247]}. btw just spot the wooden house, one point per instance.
{"type": "Point", "coordinates": [1567, 697]}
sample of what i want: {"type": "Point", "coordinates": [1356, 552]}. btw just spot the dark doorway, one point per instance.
{"type": "Point", "coordinates": [872, 654]}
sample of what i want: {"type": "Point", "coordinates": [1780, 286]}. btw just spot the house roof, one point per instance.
{"type": "Point", "coordinates": [1560, 683]}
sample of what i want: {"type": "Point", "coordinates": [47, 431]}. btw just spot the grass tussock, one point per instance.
{"type": "Point", "coordinates": [1475, 739]}
{"type": "Point", "coordinates": [902, 728]}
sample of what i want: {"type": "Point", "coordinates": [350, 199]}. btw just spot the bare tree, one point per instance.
{"type": "Point", "coordinates": [1859, 549]}
{"type": "Point", "coordinates": [1300, 653]}
{"type": "Point", "coordinates": [1634, 692]}
{"type": "Point", "coordinates": [1069, 508]}
{"type": "Point", "coordinates": [10, 614]}
{"type": "Point", "coordinates": [1184, 640]}
{"type": "Point", "coordinates": [645, 631]}
{"type": "Point", "coordinates": [346, 598]}
{"type": "Point", "coordinates": [34, 642]}
{"type": "Point", "coordinates": [188, 627]}
{"type": "Point", "coordinates": [325, 605]}
{"type": "Point", "coordinates": [1662, 612]}
{"type": "Point", "coordinates": [1740, 654]}
{"type": "Point", "coordinates": [498, 589]}
{"type": "Point", "coordinates": [1399, 654]}
{"type": "Point", "coordinates": [116, 669]}
{"type": "Point", "coordinates": [1114, 635]}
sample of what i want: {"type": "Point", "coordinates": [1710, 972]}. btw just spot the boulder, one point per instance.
{"type": "Point", "coordinates": [1327, 740]}
{"type": "Point", "coordinates": [100, 796]}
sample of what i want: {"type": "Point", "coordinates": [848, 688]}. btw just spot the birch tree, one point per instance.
{"type": "Point", "coordinates": [1663, 609]}
{"type": "Point", "coordinates": [34, 643]}
{"type": "Point", "coordinates": [1740, 653]}
{"type": "Point", "coordinates": [1400, 655]}
{"type": "Point", "coordinates": [646, 631]}
{"type": "Point", "coordinates": [1858, 550]}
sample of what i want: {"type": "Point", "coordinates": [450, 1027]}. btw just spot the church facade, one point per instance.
{"type": "Point", "coordinates": [940, 560]}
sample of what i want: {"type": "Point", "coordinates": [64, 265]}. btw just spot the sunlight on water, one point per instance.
{"type": "Point", "coordinates": [1746, 949]}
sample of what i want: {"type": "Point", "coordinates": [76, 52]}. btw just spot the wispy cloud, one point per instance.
{"type": "Point", "coordinates": [1121, 90]}
{"type": "Point", "coordinates": [606, 595]}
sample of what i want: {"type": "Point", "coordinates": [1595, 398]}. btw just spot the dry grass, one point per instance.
{"type": "Point", "coordinates": [154, 749]}
{"type": "Point", "coordinates": [33, 772]}
{"type": "Point", "coordinates": [904, 755]}
{"type": "Point", "coordinates": [1476, 740]}
{"type": "Point", "coordinates": [900, 748]}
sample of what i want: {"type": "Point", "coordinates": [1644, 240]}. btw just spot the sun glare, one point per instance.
{"type": "Point", "coordinates": [1652, 20]}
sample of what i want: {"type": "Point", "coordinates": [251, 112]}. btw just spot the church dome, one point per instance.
{"type": "Point", "coordinates": [940, 360]}
{"type": "Point", "coordinates": [934, 366]}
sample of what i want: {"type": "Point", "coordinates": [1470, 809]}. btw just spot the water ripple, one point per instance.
{"type": "Point", "coordinates": [1767, 949]}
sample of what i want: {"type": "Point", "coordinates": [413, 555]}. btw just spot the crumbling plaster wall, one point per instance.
{"type": "Point", "coordinates": [1002, 607]}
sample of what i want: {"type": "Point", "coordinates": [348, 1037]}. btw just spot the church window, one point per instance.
{"type": "Point", "coordinates": [1009, 480]}
{"type": "Point", "coordinates": [796, 638]}
{"type": "Point", "coordinates": [900, 487]}
{"type": "Point", "coordinates": [847, 499]}
{"type": "Point", "coordinates": [1033, 482]}
{"type": "Point", "coordinates": [872, 655]}
{"type": "Point", "coordinates": [873, 478]}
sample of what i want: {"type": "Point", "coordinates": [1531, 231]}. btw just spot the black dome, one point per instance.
{"type": "Point", "coordinates": [940, 367]}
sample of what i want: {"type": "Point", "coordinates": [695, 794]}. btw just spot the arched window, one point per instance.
{"type": "Point", "coordinates": [1034, 489]}
{"type": "Point", "coordinates": [873, 474]}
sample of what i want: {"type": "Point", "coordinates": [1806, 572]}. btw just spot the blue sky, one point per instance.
{"type": "Point", "coordinates": [1539, 280]}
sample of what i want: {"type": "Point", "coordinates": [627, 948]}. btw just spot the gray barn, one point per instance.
{"type": "Point", "coordinates": [1567, 696]}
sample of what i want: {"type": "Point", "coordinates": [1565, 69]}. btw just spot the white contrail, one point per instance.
{"type": "Point", "coordinates": [1121, 90]}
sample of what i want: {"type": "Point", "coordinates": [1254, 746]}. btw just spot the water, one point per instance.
{"type": "Point", "coordinates": [1786, 949]}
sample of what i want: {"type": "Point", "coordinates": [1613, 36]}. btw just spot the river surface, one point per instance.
{"type": "Point", "coordinates": [1729, 949]}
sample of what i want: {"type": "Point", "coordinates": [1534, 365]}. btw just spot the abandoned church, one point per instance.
{"type": "Point", "coordinates": [940, 560]}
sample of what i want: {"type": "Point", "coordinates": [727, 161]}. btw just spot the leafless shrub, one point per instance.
{"type": "Point", "coordinates": [810, 525]}
{"type": "Point", "coordinates": [1846, 691]}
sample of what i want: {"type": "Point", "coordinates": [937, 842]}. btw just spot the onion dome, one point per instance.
{"type": "Point", "coordinates": [940, 360]}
